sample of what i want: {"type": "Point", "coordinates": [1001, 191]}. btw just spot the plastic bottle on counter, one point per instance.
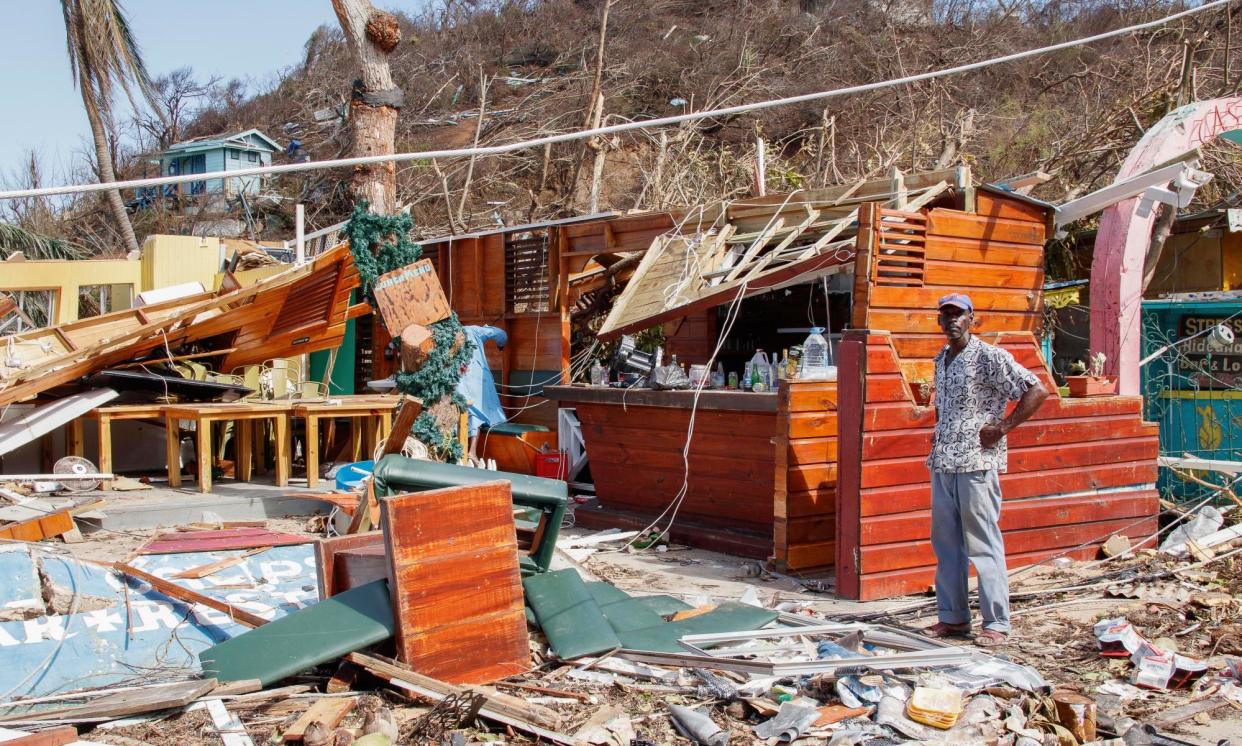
{"type": "Point", "coordinates": [815, 357]}
{"type": "Point", "coordinates": [760, 372]}
{"type": "Point", "coordinates": [599, 374]}
{"type": "Point", "coordinates": [746, 379]}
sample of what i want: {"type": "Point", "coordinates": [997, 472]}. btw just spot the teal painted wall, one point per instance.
{"type": "Point", "coordinates": [1192, 391]}
{"type": "Point", "coordinates": [343, 371]}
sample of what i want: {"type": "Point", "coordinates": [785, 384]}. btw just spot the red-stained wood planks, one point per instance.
{"type": "Point", "coordinates": [455, 584]}
{"type": "Point", "coordinates": [171, 542]}
{"type": "Point", "coordinates": [636, 460]}
{"type": "Point", "coordinates": [1079, 470]}
{"type": "Point", "coordinates": [804, 495]}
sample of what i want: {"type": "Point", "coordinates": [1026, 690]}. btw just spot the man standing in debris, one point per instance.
{"type": "Point", "coordinates": [974, 383]}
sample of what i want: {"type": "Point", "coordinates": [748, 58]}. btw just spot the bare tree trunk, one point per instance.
{"type": "Point", "coordinates": [595, 110]}
{"type": "Point", "coordinates": [478, 131]}
{"type": "Point", "coordinates": [375, 102]}
{"type": "Point", "coordinates": [107, 172]}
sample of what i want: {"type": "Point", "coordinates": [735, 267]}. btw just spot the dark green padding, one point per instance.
{"type": "Point", "coordinates": [629, 614]}
{"type": "Point", "coordinates": [514, 428]}
{"type": "Point", "coordinates": [606, 593]}
{"type": "Point", "coordinates": [664, 605]}
{"type": "Point", "coordinates": [296, 642]}
{"type": "Point", "coordinates": [398, 474]}
{"type": "Point", "coordinates": [729, 616]}
{"type": "Point", "coordinates": [568, 615]}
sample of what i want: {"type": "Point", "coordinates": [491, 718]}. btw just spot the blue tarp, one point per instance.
{"type": "Point", "coordinates": [98, 647]}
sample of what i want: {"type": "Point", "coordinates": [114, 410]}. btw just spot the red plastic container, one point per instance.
{"type": "Point", "coordinates": [553, 465]}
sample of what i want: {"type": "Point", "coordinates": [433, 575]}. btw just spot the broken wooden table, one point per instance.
{"type": "Point", "coordinates": [243, 415]}
{"type": "Point", "coordinates": [104, 417]}
{"type": "Point", "coordinates": [372, 416]}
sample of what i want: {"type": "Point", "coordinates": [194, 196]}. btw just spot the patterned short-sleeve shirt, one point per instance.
{"type": "Point", "coordinates": [972, 390]}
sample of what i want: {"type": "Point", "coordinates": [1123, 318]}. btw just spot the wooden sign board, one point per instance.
{"type": "Point", "coordinates": [411, 295]}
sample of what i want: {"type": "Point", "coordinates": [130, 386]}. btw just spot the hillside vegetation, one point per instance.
{"type": "Point", "coordinates": [529, 68]}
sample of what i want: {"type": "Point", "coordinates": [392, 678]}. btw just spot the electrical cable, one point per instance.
{"type": "Point", "coordinates": [610, 129]}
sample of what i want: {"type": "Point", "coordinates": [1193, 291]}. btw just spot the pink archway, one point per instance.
{"type": "Point", "coordinates": [1124, 236]}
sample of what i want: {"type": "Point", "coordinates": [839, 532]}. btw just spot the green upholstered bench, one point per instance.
{"type": "Point", "coordinates": [545, 499]}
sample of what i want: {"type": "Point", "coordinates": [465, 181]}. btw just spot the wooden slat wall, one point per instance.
{"type": "Point", "coordinates": [472, 272]}
{"type": "Point", "coordinates": [691, 338]}
{"type": "Point", "coordinates": [607, 235]}
{"type": "Point", "coordinates": [636, 460]}
{"type": "Point", "coordinates": [1079, 470]}
{"type": "Point", "coordinates": [805, 490]}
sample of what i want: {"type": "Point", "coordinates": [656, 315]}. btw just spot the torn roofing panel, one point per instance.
{"type": "Point", "coordinates": [70, 624]}
{"type": "Point", "coordinates": [300, 310]}
{"type": "Point", "coordinates": [743, 249]}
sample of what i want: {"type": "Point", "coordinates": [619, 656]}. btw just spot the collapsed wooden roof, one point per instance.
{"type": "Point", "coordinates": [719, 252]}
{"type": "Point", "coordinates": [300, 310]}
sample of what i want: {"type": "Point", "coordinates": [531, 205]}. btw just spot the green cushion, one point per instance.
{"type": "Point", "coordinates": [630, 614]}
{"type": "Point", "coordinates": [568, 615]}
{"type": "Point", "coordinates": [606, 593]}
{"type": "Point", "coordinates": [396, 474]}
{"type": "Point", "coordinates": [664, 605]}
{"type": "Point", "coordinates": [515, 428]}
{"type": "Point", "coordinates": [297, 642]}
{"type": "Point", "coordinates": [727, 617]}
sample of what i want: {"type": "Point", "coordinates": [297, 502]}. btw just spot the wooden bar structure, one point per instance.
{"type": "Point", "coordinates": [830, 476]}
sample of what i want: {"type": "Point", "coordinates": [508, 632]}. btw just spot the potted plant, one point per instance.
{"type": "Point", "coordinates": [1094, 383]}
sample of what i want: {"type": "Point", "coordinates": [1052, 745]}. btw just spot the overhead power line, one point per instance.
{"type": "Point", "coordinates": [598, 131]}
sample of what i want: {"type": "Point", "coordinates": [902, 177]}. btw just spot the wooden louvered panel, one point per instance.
{"type": "Point", "coordinates": [308, 301]}
{"type": "Point", "coordinates": [899, 249]}
{"type": "Point", "coordinates": [526, 273]}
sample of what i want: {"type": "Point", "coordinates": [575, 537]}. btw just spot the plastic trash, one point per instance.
{"type": "Point", "coordinates": [790, 722]}
{"type": "Point", "coordinates": [697, 727]}
{"type": "Point", "coordinates": [937, 707]}
{"type": "Point", "coordinates": [1207, 520]}
{"type": "Point", "coordinates": [828, 650]}
{"type": "Point", "coordinates": [854, 693]}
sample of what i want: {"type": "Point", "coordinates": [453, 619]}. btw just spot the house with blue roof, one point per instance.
{"type": "Point", "coordinates": [201, 155]}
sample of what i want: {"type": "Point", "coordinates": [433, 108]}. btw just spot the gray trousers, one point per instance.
{"type": "Point", "coordinates": [965, 529]}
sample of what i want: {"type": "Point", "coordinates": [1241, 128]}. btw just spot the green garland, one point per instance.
{"type": "Point", "coordinates": [380, 244]}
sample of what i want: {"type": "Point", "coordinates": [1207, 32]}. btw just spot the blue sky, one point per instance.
{"type": "Point", "coordinates": [251, 40]}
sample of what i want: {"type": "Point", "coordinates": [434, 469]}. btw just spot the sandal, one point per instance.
{"type": "Point", "coordinates": [944, 629]}
{"type": "Point", "coordinates": [990, 638]}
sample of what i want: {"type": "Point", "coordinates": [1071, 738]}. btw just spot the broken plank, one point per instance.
{"type": "Point", "coordinates": [515, 707]}
{"type": "Point", "coordinates": [57, 736]}
{"type": "Point", "coordinates": [228, 726]}
{"type": "Point", "coordinates": [401, 425]}
{"type": "Point", "coordinates": [245, 686]}
{"type": "Point", "coordinates": [176, 542]}
{"type": "Point", "coordinates": [1185, 712]}
{"type": "Point", "coordinates": [329, 711]}
{"type": "Point", "coordinates": [39, 527]}
{"type": "Point", "coordinates": [744, 262]}
{"type": "Point", "coordinates": [122, 703]}
{"type": "Point", "coordinates": [202, 571]}
{"type": "Point", "coordinates": [185, 595]}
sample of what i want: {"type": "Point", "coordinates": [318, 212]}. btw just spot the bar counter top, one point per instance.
{"type": "Point", "coordinates": [726, 400]}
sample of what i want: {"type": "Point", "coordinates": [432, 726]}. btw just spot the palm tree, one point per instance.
{"type": "Point", "coordinates": [103, 54]}
{"type": "Point", "coordinates": [32, 245]}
